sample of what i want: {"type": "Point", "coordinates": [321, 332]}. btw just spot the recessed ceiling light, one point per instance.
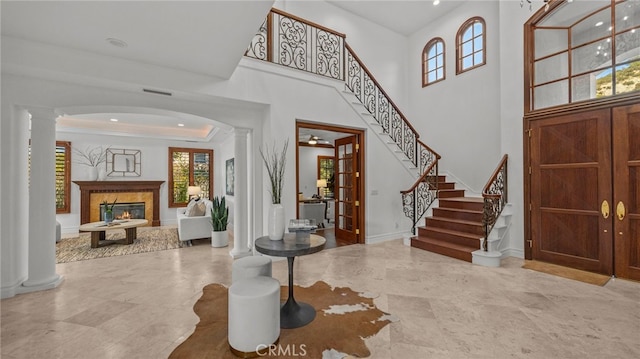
{"type": "Point", "coordinates": [116, 42]}
{"type": "Point", "coordinates": [599, 23]}
{"type": "Point", "coordinates": [181, 125]}
{"type": "Point", "coordinates": [625, 18]}
{"type": "Point", "coordinates": [113, 120]}
{"type": "Point", "coordinates": [436, 2]}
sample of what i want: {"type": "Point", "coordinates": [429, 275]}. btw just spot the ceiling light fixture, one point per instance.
{"type": "Point", "coordinates": [436, 2]}
{"type": "Point", "coordinates": [181, 125]}
{"type": "Point", "coordinates": [116, 42]}
{"type": "Point", "coordinates": [546, 6]}
{"type": "Point", "coordinates": [599, 23]}
{"type": "Point", "coordinates": [113, 120]}
{"type": "Point", "coordinates": [313, 140]}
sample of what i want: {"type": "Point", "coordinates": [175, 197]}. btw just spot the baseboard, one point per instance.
{"type": "Point", "coordinates": [384, 237]}
{"type": "Point", "coordinates": [512, 252]}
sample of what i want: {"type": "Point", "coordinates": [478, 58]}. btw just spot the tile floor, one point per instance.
{"type": "Point", "coordinates": [140, 306]}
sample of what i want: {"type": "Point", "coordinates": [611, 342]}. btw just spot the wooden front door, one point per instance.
{"type": "Point", "coordinates": [346, 189]}
{"type": "Point", "coordinates": [585, 191]}
{"type": "Point", "coordinates": [570, 180]}
{"type": "Point", "coordinates": [626, 183]}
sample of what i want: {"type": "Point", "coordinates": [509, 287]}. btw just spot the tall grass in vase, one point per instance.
{"type": "Point", "coordinates": [275, 161]}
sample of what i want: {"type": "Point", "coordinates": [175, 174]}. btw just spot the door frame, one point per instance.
{"type": "Point", "coordinates": [359, 133]}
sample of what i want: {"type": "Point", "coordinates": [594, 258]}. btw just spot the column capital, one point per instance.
{"type": "Point", "coordinates": [241, 132]}
{"type": "Point", "coordinates": [42, 113]}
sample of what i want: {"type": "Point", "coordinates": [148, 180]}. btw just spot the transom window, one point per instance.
{"type": "Point", "coordinates": [189, 167]}
{"type": "Point", "coordinates": [433, 62]}
{"type": "Point", "coordinates": [470, 45]}
{"type": "Point", "coordinates": [583, 50]}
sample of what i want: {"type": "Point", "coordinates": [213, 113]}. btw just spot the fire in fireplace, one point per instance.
{"type": "Point", "coordinates": [133, 210]}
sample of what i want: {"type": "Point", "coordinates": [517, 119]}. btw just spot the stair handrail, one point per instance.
{"type": "Point", "coordinates": [310, 47]}
{"type": "Point", "coordinates": [495, 197]}
{"type": "Point", "coordinates": [417, 199]}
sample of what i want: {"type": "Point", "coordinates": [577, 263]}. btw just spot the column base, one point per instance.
{"type": "Point", "coordinates": [34, 287]}
{"type": "Point", "coordinates": [239, 254]}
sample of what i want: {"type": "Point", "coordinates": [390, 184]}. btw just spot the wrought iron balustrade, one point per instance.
{"type": "Point", "coordinates": [495, 197]}
{"type": "Point", "coordinates": [294, 42]}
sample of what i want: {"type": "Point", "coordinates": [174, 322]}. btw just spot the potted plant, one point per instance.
{"type": "Point", "coordinates": [219, 221]}
{"type": "Point", "coordinates": [275, 163]}
{"type": "Point", "coordinates": [108, 210]}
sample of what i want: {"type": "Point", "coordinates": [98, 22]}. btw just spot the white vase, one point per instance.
{"type": "Point", "coordinates": [93, 173]}
{"type": "Point", "coordinates": [102, 174]}
{"type": "Point", "coordinates": [276, 222]}
{"type": "Point", "coordinates": [219, 239]}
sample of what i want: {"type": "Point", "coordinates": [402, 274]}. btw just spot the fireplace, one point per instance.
{"type": "Point", "coordinates": [93, 193]}
{"type": "Point", "coordinates": [133, 210]}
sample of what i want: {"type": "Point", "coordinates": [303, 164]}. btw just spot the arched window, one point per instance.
{"type": "Point", "coordinates": [433, 62]}
{"type": "Point", "coordinates": [470, 45]}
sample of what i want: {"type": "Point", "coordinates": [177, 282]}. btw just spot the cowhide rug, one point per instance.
{"type": "Point", "coordinates": [343, 319]}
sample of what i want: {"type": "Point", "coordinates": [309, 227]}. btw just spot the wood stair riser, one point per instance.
{"type": "Point", "coordinates": [435, 248]}
{"type": "Point", "coordinates": [465, 215]}
{"type": "Point", "coordinates": [472, 206]}
{"type": "Point", "coordinates": [446, 185]}
{"type": "Point", "coordinates": [468, 240]}
{"type": "Point", "coordinates": [448, 193]}
{"type": "Point", "coordinates": [471, 228]}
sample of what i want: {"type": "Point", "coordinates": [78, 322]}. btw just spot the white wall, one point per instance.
{"type": "Point", "coordinates": [460, 117]}
{"type": "Point", "coordinates": [383, 51]}
{"type": "Point", "coordinates": [223, 152]}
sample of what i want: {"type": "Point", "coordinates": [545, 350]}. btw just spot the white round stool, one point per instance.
{"type": "Point", "coordinates": [249, 267]}
{"type": "Point", "coordinates": [254, 315]}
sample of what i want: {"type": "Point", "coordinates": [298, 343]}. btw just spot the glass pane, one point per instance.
{"type": "Point", "coordinates": [440, 73]}
{"type": "Point", "coordinates": [550, 41]}
{"type": "Point", "coordinates": [591, 57]}
{"type": "Point", "coordinates": [431, 64]}
{"type": "Point", "coordinates": [477, 44]}
{"type": "Point", "coordinates": [432, 76]}
{"type": "Point", "coordinates": [477, 28]}
{"type": "Point", "coordinates": [566, 14]}
{"type": "Point", "coordinates": [466, 36]}
{"type": "Point", "coordinates": [467, 48]}
{"type": "Point", "coordinates": [439, 47]}
{"type": "Point", "coordinates": [432, 52]}
{"type": "Point", "coordinates": [594, 27]}
{"type": "Point", "coordinates": [552, 68]}
{"type": "Point", "coordinates": [180, 176]}
{"type": "Point", "coordinates": [477, 58]}
{"type": "Point", "coordinates": [201, 172]}
{"type": "Point", "coordinates": [628, 78]}
{"type": "Point", "coordinates": [627, 15]}
{"type": "Point", "coordinates": [552, 94]}
{"type": "Point", "coordinates": [604, 83]}
{"type": "Point", "coordinates": [627, 46]}
{"type": "Point", "coordinates": [584, 87]}
{"type": "Point", "coordinates": [467, 62]}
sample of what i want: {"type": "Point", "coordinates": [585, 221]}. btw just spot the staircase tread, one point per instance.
{"type": "Point", "coordinates": [453, 232]}
{"type": "Point", "coordinates": [455, 220]}
{"type": "Point", "coordinates": [464, 199]}
{"type": "Point", "coordinates": [442, 243]}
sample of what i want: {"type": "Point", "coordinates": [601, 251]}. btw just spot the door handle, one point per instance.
{"type": "Point", "coordinates": [620, 210]}
{"type": "Point", "coordinates": [604, 209]}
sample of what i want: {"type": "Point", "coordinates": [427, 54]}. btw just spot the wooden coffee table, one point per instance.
{"type": "Point", "coordinates": [98, 231]}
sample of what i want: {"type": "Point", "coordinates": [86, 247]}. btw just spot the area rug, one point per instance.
{"type": "Point", "coordinates": [566, 272]}
{"type": "Point", "coordinates": [149, 239]}
{"type": "Point", "coordinates": [344, 318]}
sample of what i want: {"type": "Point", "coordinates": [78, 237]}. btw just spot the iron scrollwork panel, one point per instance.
{"type": "Point", "coordinates": [258, 47]}
{"type": "Point", "coordinates": [329, 57]}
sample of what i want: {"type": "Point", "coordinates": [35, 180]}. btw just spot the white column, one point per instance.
{"type": "Point", "coordinates": [14, 222]}
{"type": "Point", "coordinates": [42, 204]}
{"type": "Point", "coordinates": [241, 208]}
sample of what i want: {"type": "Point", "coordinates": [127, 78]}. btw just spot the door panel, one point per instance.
{"type": "Point", "coordinates": [626, 179]}
{"type": "Point", "coordinates": [346, 184]}
{"type": "Point", "coordinates": [570, 178]}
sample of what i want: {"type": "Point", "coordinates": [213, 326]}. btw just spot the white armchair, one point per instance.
{"type": "Point", "coordinates": [313, 211]}
{"type": "Point", "coordinates": [194, 227]}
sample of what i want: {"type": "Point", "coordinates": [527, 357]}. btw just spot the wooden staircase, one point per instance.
{"type": "Point", "coordinates": [455, 227]}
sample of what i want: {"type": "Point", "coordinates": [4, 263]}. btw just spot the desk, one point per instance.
{"type": "Point", "coordinates": [98, 230]}
{"type": "Point", "coordinates": [292, 313]}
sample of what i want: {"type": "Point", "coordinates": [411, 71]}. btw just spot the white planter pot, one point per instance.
{"type": "Point", "coordinates": [276, 222]}
{"type": "Point", "coordinates": [219, 239]}
{"type": "Point", "coordinates": [92, 173]}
